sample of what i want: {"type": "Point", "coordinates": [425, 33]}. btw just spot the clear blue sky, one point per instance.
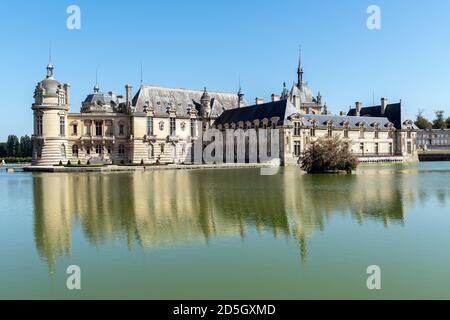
{"type": "Point", "coordinates": [192, 44]}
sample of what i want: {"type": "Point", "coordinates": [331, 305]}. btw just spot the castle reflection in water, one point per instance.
{"type": "Point", "coordinates": [165, 208]}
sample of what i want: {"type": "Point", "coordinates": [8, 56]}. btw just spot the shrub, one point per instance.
{"type": "Point", "coordinates": [60, 162]}
{"type": "Point", "coordinates": [69, 163]}
{"type": "Point", "coordinates": [142, 161]}
{"type": "Point", "coordinates": [328, 155]}
{"type": "Point", "coordinates": [79, 161]}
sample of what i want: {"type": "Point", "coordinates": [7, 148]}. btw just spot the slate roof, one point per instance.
{"type": "Point", "coordinates": [182, 100]}
{"type": "Point", "coordinates": [394, 112]}
{"type": "Point", "coordinates": [339, 121]}
{"type": "Point", "coordinates": [282, 109]}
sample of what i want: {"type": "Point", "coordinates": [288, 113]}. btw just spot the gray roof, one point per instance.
{"type": "Point", "coordinates": [162, 99]}
{"type": "Point", "coordinates": [394, 112]}
{"type": "Point", "coordinates": [282, 109]}
{"type": "Point", "coordinates": [339, 121]}
{"type": "Point", "coordinates": [303, 92]}
{"type": "Point", "coordinates": [103, 102]}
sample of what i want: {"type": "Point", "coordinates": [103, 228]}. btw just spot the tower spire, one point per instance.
{"type": "Point", "coordinates": [300, 68]}
{"type": "Point", "coordinates": [50, 65]}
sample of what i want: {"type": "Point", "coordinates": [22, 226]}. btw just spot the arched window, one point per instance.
{"type": "Point", "coordinates": [75, 151]}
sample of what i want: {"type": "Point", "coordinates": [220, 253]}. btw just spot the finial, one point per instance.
{"type": "Point", "coordinates": [96, 87]}
{"type": "Point", "coordinates": [50, 65]}
{"type": "Point", "coordinates": [142, 82]}
{"type": "Point", "coordinates": [50, 52]}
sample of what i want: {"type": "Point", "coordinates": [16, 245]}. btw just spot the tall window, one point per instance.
{"type": "Point", "coordinates": [150, 151]}
{"type": "Point", "coordinates": [172, 126]}
{"type": "Point", "coordinates": [377, 130]}
{"type": "Point", "coordinates": [75, 151]}
{"type": "Point", "coordinates": [75, 129]}
{"type": "Point", "coordinates": [297, 148]}
{"type": "Point", "coordinates": [312, 131]}
{"type": "Point", "coordinates": [121, 150]}
{"type": "Point", "coordinates": [98, 149]}
{"type": "Point", "coordinates": [361, 148]}
{"type": "Point", "coordinates": [98, 128]}
{"type": "Point", "coordinates": [39, 125]}
{"type": "Point", "coordinates": [150, 126]}
{"type": "Point", "coordinates": [329, 130]}
{"type": "Point", "coordinates": [409, 147]}
{"type": "Point", "coordinates": [391, 150]}
{"type": "Point", "coordinates": [408, 133]}
{"type": "Point", "coordinates": [376, 148]}
{"type": "Point", "coordinates": [62, 126]}
{"type": "Point", "coordinates": [296, 128]}
{"type": "Point", "coordinates": [193, 127]}
{"type": "Point", "coordinates": [346, 131]}
{"type": "Point", "coordinates": [121, 129]}
{"type": "Point", "coordinates": [162, 148]}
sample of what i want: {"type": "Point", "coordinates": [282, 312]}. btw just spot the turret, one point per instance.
{"type": "Point", "coordinates": [205, 101]}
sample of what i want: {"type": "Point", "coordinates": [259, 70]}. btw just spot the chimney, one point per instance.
{"type": "Point", "coordinates": [342, 113]}
{"type": "Point", "coordinates": [67, 89]}
{"type": "Point", "coordinates": [240, 99]}
{"type": "Point", "coordinates": [259, 101]}
{"type": "Point", "coordinates": [358, 108]}
{"type": "Point", "coordinates": [128, 89]}
{"type": "Point", "coordinates": [384, 103]}
{"type": "Point", "coordinates": [275, 97]}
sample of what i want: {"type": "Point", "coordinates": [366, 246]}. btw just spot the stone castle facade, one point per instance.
{"type": "Point", "coordinates": [159, 125]}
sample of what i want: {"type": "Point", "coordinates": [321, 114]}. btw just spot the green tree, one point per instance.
{"type": "Point", "coordinates": [448, 122]}
{"type": "Point", "coordinates": [422, 122]}
{"type": "Point", "coordinates": [12, 146]}
{"type": "Point", "coordinates": [3, 150]}
{"type": "Point", "coordinates": [439, 122]}
{"type": "Point", "coordinates": [328, 155]}
{"type": "Point", "coordinates": [26, 146]}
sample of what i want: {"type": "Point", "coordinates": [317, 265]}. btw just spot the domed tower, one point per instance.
{"type": "Point", "coordinates": [50, 108]}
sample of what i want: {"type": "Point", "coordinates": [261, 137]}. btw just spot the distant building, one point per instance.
{"type": "Point", "coordinates": [438, 139]}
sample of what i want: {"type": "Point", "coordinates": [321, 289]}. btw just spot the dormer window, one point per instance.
{"type": "Point", "coordinates": [408, 132]}
{"type": "Point", "coordinates": [346, 130]}
{"type": "Point", "coordinates": [361, 131]}
{"type": "Point", "coordinates": [296, 128]}
{"type": "Point", "coordinates": [312, 130]}
{"type": "Point", "coordinates": [330, 129]}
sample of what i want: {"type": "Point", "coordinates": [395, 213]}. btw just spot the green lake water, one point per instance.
{"type": "Point", "coordinates": [227, 234]}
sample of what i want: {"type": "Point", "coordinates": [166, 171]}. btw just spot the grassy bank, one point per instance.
{"type": "Point", "coordinates": [16, 159]}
